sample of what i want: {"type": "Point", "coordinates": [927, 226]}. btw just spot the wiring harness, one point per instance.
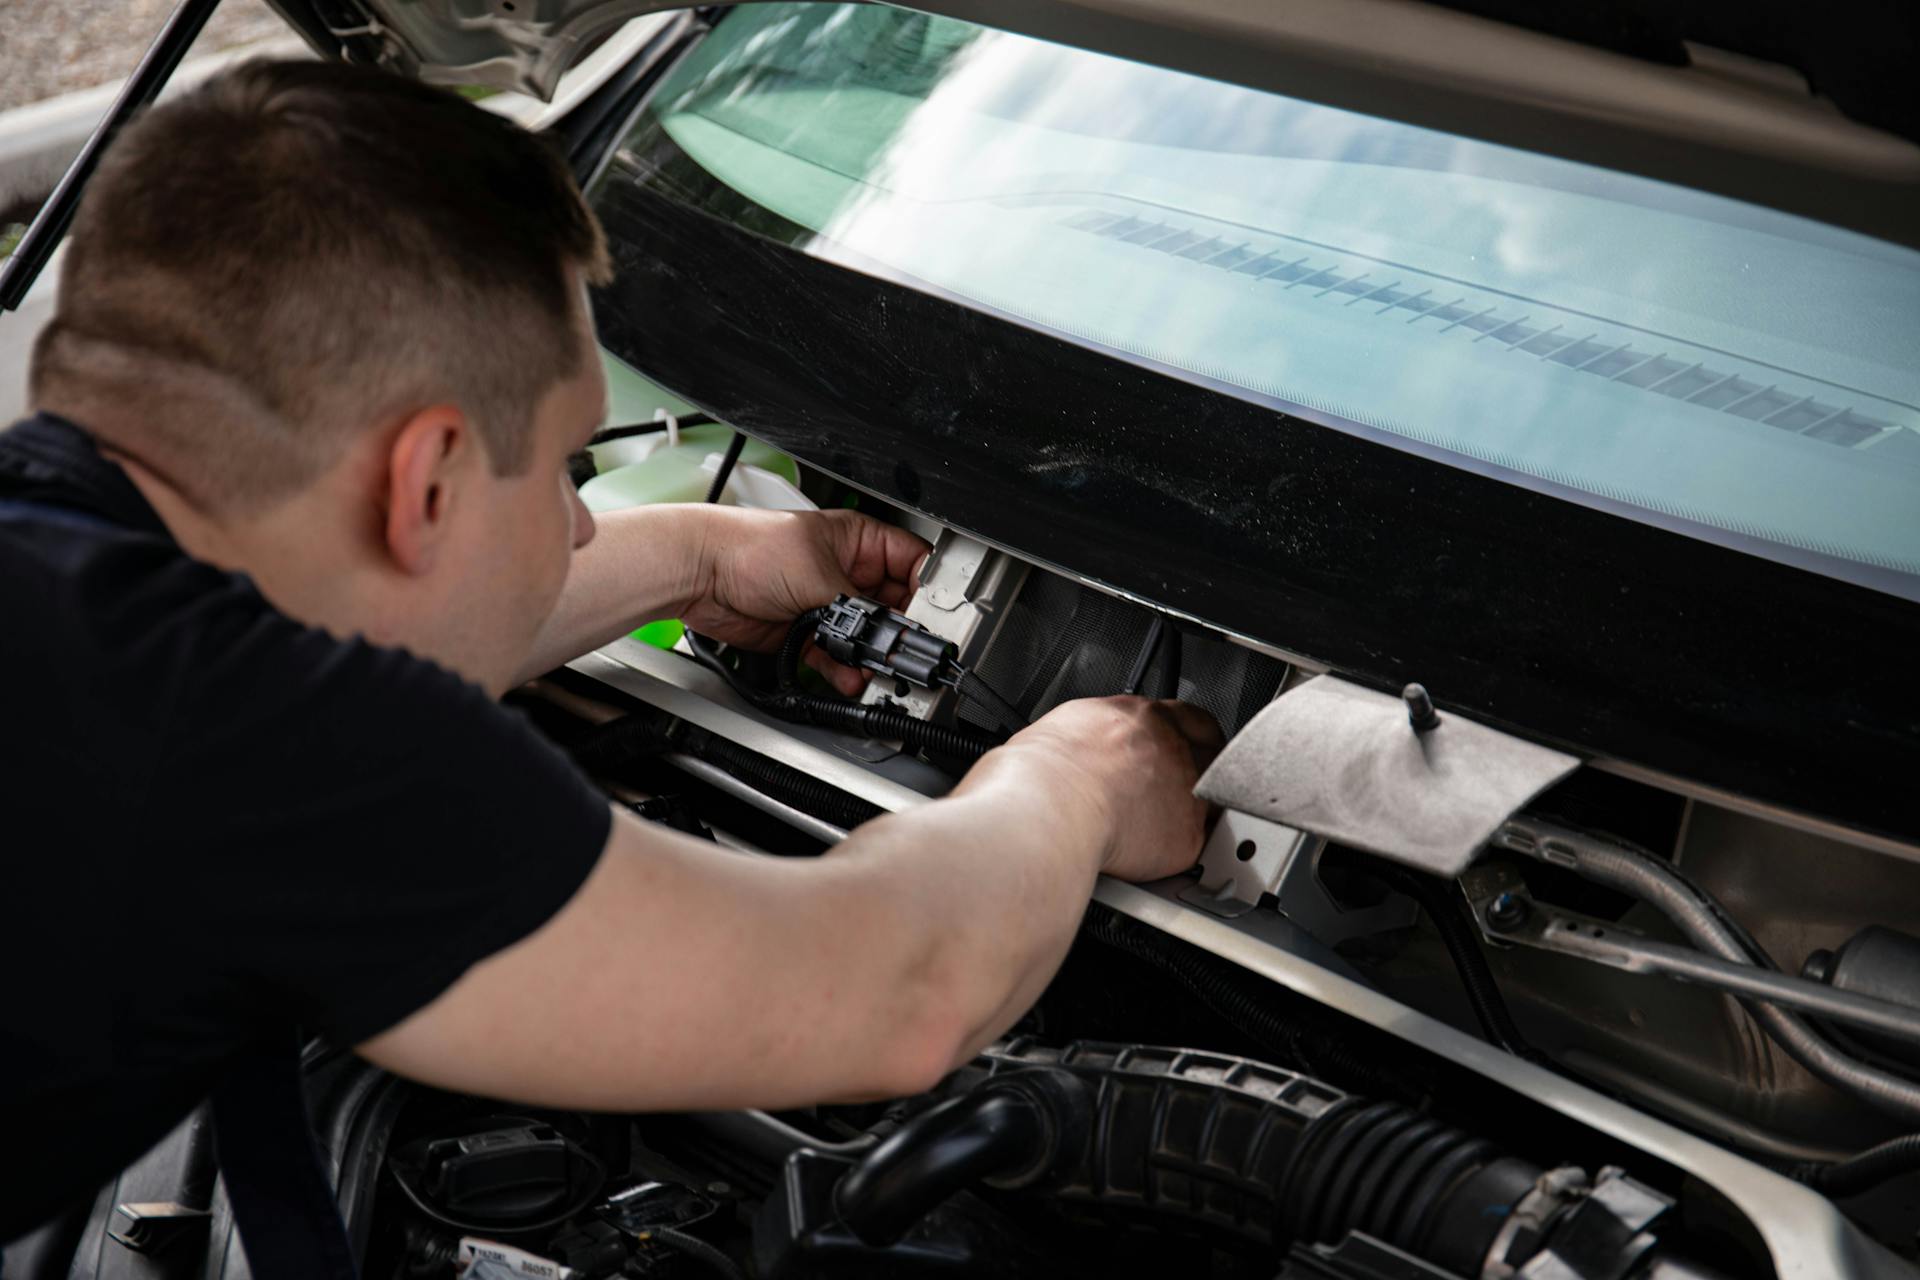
{"type": "Point", "coordinates": [866, 634]}
{"type": "Point", "coordinates": [863, 633]}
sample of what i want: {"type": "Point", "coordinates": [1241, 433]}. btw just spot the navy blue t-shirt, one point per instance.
{"type": "Point", "coordinates": [217, 824]}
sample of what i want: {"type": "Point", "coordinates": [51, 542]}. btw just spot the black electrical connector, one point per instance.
{"type": "Point", "coordinates": [864, 633]}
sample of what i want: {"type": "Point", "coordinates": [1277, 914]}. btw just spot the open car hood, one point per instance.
{"type": "Point", "coordinates": [1808, 109]}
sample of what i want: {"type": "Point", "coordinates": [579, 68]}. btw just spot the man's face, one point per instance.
{"type": "Point", "coordinates": [520, 535]}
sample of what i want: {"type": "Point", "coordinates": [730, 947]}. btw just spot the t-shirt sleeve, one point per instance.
{"type": "Point", "coordinates": [363, 825]}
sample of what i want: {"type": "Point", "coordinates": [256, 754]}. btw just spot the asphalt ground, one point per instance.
{"type": "Point", "coordinates": [50, 47]}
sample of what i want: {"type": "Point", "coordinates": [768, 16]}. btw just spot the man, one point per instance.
{"type": "Point", "coordinates": [293, 510]}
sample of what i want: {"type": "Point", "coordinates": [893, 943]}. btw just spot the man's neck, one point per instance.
{"type": "Point", "coordinates": [294, 555]}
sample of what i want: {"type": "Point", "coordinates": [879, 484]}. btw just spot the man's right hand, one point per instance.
{"type": "Point", "coordinates": [1131, 763]}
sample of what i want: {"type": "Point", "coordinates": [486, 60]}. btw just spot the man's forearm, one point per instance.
{"type": "Point", "coordinates": [985, 891]}
{"type": "Point", "coordinates": [869, 972]}
{"type": "Point", "coordinates": [643, 564]}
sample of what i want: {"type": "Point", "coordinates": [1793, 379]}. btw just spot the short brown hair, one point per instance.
{"type": "Point", "coordinates": [295, 251]}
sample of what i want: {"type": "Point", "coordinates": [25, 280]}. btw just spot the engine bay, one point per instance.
{"type": "Point", "coordinates": [1635, 1031]}
{"type": "Point", "coordinates": [1302, 1060]}
{"type": "Point", "coordinates": [1581, 969]}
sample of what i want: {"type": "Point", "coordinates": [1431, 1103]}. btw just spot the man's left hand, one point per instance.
{"type": "Point", "coordinates": [763, 569]}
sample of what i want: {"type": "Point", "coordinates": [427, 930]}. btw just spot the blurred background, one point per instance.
{"type": "Point", "coordinates": [47, 49]}
{"type": "Point", "coordinates": [60, 62]}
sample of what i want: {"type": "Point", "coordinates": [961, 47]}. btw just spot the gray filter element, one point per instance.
{"type": "Point", "coordinates": [1346, 763]}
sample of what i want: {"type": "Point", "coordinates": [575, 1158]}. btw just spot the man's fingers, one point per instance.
{"type": "Point", "coordinates": [875, 554]}
{"type": "Point", "coordinates": [894, 595]}
{"type": "Point", "coordinates": [1198, 727]}
{"type": "Point", "coordinates": [844, 678]}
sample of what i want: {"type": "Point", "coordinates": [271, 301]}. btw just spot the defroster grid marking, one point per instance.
{"type": "Point", "coordinates": [1531, 332]}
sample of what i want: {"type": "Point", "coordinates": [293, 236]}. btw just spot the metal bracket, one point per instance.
{"type": "Point", "coordinates": [965, 590]}
{"type": "Point", "coordinates": [1569, 1229]}
{"type": "Point", "coordinates": [1304, 899]}
{"type": "Point", "coordinates": [951, 570]}
{"type": "Point", "coordinates": [150, 1226]}
{"type": "Point", "coordinates": [1245, 857]}
{"type": "Point", "coordinates": [1506, 913]}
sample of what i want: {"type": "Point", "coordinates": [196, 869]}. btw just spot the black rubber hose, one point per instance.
{"type": "Point", "coordinates": [786, 668]}
{"type": "Point", "coordinates": [1245, 1002]}
{"type": "Point", "coordinates": [1163, 674]}
{"type": "Point", "coordinates": [784, 783]}
{"type": "Point", "coordinates": [1865, 1171]}
{"type": "Point", "coordinates": [1235, 1149]}
{"type": "Point", "coordinates": [939, 1152]}
{"type": "Point", "coordinates": [727, 463]}
{"type": "Point", "coordinates": [608, 434]}
{"type": "Point", "coordinates": [640, 735]}
{"type": "Point", "coordinates": [972, 687]}
{"type": "Point", "coordinates": [709, 657]}
{"type": "Point", "coordinates": [1317, 1210]}
{"type": "Point", "coordinates": [699, 1250]}
{"type": "Point", "coordinates": [1156, 669]}
{"type": "Point", "coordinates": [870, 721]}
{"type": "Point", "coordinates": [1413, 1181]}
{"type": "Point", "coordinates": [1449, 915]}
{"type": "Point", "coordinates": [1251, 1155]}
{"type": "Point", "coordinates": [873, 721]}
{"type": "Point", "coordinates": [1137, 674]}
{"type": "Point", "coordinates": [771, 1139]}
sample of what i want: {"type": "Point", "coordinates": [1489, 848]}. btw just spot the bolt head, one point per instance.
{"type": "Point", "coordinates": [1420, 712]}
{"type": "Point", "coordinates": [1508, 911]}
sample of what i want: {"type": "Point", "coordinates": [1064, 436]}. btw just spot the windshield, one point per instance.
{"type": "Point", "coordinates": [1731, 372]}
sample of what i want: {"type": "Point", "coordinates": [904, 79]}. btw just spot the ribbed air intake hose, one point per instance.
{"type": "Point", "coordinates": [1415, 1182]}
{"type": "Point", "coordinates": [1013, 1132]}
{"type": "Point", "coordinates": [1239, 1151]}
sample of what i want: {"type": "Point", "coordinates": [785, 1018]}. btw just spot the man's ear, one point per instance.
{"type": "Point", "coordinates": [426, 467]}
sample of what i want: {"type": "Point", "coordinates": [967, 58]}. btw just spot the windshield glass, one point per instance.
{"type": "Point", "coordinates": [1731, 372]}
